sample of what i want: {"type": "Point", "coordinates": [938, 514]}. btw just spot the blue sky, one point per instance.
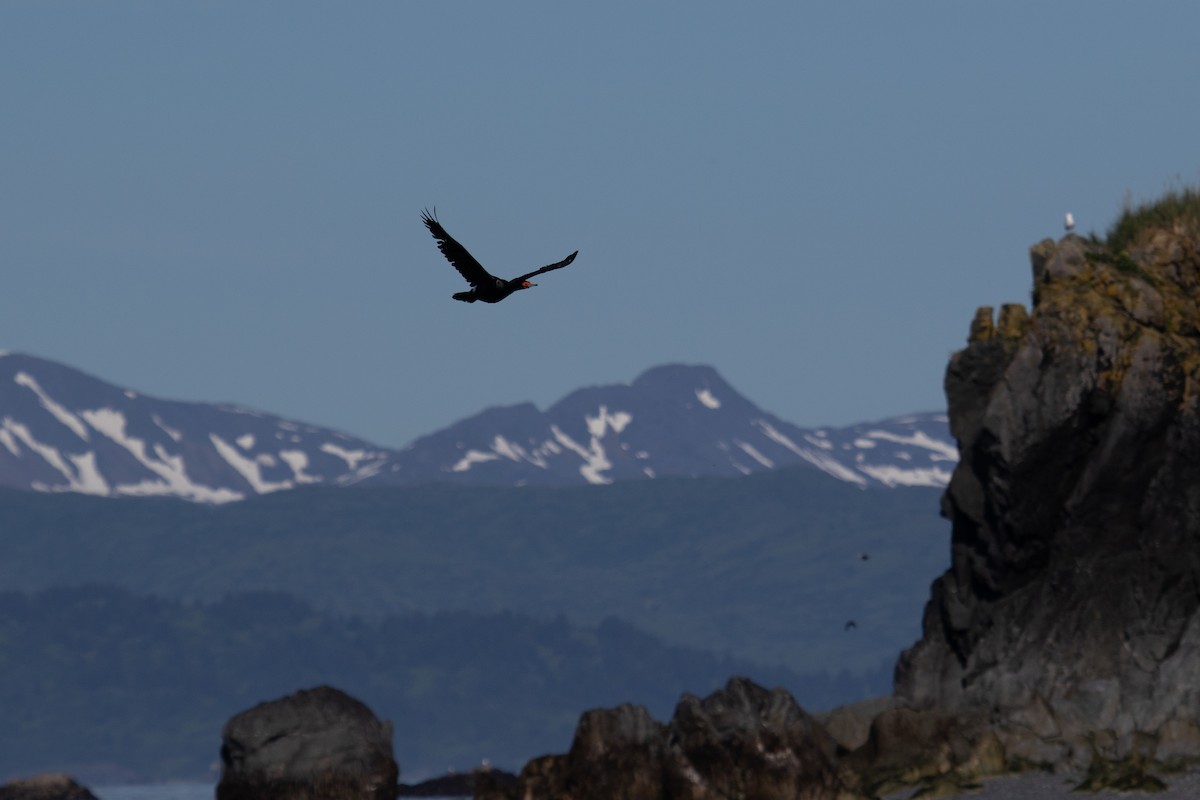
{"type": "Point", "coordinates": [220, 201]}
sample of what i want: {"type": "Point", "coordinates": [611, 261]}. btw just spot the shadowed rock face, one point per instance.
{"type": "Point", "coordinates": [1069, 612]}
{"type": "Point", "coordinates": [45, 787]}
{"type": "Point", "coordinates": [317, 743]}
{"type": "Point", "coordinates": [741, 741]}
{"type": "Point", "coordinates": [745, 741]}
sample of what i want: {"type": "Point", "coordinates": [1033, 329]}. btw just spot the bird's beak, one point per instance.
{"type": "Point", "coordinates": [528, 284]}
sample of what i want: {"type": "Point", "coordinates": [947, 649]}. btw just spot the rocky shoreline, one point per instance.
{"type": "Point", "coordinates": [1060, 652]}
{"type": "Point", "coordinates": [1064, 640]}
{"type": "Point", "coordinates": [1048, 786]}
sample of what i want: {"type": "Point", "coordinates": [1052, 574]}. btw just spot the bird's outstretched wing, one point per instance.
{"type": "Point", "coordinates": [455, 253]}
{"type": "Point", "coordinates": [559, 265]}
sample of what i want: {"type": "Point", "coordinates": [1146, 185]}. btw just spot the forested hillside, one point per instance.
{"type": "Point", "coordinates": [769, 567]}
{"type": "Point", "coordinates": [110, 685]}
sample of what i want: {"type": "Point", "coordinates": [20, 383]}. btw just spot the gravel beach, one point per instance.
{"type": "Point", "coordinates": [1185, 786]}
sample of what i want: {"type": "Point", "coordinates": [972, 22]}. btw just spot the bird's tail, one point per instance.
{"type": "Point", "coordinates": [466, 297]}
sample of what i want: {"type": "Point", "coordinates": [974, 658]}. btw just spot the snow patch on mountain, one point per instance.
{"type": "Point", "coordinates": [603, 421]}
{"type": "Point", "coordinates": [897, 476]}
{"type": "Point", "coordinates": [88, 475]}
{"type": "Point", "coordinates": [21, 432]}
{"type": "Point", "coordinates": [707, 400]}
{"type": "Point", "coordinates": [170, 469]}
{"type": "Point", "coordinates": [352, 457]}
{"type": "Point", "coordinates": [58, 411]}
{"type": "Point", "coordinates": [111, 423]}
{"type": "Point", "coordinates": [817, 439]}
{"type": "Point", "coordinates": [942, 451]}
{"type": "Point", "coordinates": [297, 460]}
{"type": "Point", "coordinates": [751, 451]}
{"type": "Point", "coordinates": [7, 439]}
{"type": "Point", "coordinates": [819, 460]}
{"type": "Point", "coordinates": [472, 457]}
{"type": "Point", "coordinates": [248, 468]}
{"type": "Point", "coordinates": [595, 460]}
{"type": "Point", "coordinates": [503, 448]}
{"type": "Point", "coordinates": [513, 451]}
{"type": "Point", "coordinates": [48, 454]}
{"type": "Point", "coordinates": [167, 429]}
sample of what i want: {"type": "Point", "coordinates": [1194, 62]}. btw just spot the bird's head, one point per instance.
{"type": "Point", "coordinates": [527, 284]}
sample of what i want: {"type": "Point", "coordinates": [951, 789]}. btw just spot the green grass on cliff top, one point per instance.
{"type": "Point", "coordinates": [1175, 206]}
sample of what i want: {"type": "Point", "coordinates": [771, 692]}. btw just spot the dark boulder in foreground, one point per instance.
{"type": "Point", "coordinates": [45, 787]}
{"type": "Point", "coordinates": [316, 743]}
{"type": "Point", "coordinates": [741, 741]}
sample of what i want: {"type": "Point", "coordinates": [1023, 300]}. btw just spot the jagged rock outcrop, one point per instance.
{"type": "Point", "coordinates": [1065, 634]}
{"type": "Point", "coordinates": [315, 744]}
{"type": "Point", "coordinates": [850, 725]}
{"type": "Point", "coordinates": [1069, 614]}
{"type": "Point", "coordinates": [45, 787]}
{"type": "Point", "coordinates": [740, 741]}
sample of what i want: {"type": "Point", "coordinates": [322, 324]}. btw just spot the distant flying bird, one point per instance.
{"type": "Point", "coordinates": [1069, 222]}
{"type": "Point", "coordinates": [864, 556]}
{"type": "Point", "coordinates": [484, 286]}
{"type": "Point", "coordinates": [851, 624]}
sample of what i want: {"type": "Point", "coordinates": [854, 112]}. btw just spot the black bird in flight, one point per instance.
{"type": "Point", "coordinates": [484, 286]}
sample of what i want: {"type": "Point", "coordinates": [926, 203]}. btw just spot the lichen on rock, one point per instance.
{"type": "Point", "coordinates": [1069, 612]}
{"type": "Point", "coordinates": [740, 741]}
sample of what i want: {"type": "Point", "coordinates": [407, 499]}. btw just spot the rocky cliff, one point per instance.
{"type": "Point", "coordinates": [1068, 617]}
{"type": "Point", "coordinates": [1065, 634]}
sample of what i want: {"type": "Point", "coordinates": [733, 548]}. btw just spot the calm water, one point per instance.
{"type": "Point", "coordinates": [166, 791]}
{"type": "Point", "coordinates": [158, 791]}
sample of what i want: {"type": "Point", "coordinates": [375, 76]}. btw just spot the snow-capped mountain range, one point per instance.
{"type": "Point", "coordinates": [64, 431]}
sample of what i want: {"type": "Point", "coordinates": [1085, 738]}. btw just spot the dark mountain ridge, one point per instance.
{"type": "Point", "coordinates": [64, 431]}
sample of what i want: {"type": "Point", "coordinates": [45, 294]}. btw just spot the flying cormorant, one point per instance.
{"type": "Point", "coordinates": [484, 286]}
